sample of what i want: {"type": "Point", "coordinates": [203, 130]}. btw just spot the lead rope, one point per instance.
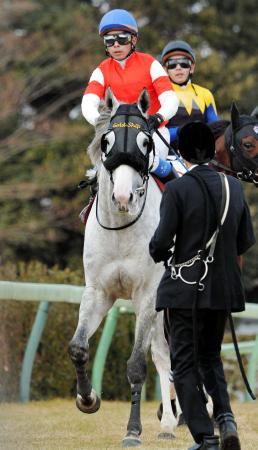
{"type": "Point", "coordinates": [239, 359]}
{"type": "Point", "coordinates": [234, 338]}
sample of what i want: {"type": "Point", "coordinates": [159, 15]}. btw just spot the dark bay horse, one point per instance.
{"type": "Point", "coordinates": [237, 146]}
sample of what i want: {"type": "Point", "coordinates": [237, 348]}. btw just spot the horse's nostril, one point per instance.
{"type": "Point", "coordinates": [113, 197]}
{"type": "Point", "coordinates": [131, 197]}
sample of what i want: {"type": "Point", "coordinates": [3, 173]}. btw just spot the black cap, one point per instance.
{"type": "Point", "coordinates": [196, 142]}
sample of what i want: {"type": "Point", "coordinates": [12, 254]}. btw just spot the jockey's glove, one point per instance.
{"type": "Point", "coordinates": [154, 121]}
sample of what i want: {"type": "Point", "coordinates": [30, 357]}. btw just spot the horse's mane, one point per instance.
{"type": "Point", "coordinates": [218, 128]}
{"type": "Point", "coordinates": [94, 149]}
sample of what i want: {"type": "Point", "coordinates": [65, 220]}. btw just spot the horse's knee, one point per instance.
{"type": "Point", "coordinates": [137, 368]}
{"type": "Point", "coordinates": [79, 353]}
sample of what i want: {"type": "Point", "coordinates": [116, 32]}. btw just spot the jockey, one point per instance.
{"type": "Point", "coordinates": [127, 71]}
{"type": "Point", "coordinates": [195, 102]}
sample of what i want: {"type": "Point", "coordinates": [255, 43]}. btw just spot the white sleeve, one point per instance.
{"type": "Point", "coordinates": [168, 99]}
{"type": "Point", "coordinates": [169, 104]}
{"type": "Point", "coordinates": [157, 71]}
{"type": "Point", "coordinates": [90, 102]}
{"type": "Point", "coordinates": [90, 105]}
{"type": "Point", "coordinates": [97, 75]}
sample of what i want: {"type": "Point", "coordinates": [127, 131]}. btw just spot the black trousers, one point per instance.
{"type": "Point", "coordinates": [187, 375]}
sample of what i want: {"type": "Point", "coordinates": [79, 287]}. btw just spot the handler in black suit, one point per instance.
{"type": "Point", "coordinates": [197, 305]}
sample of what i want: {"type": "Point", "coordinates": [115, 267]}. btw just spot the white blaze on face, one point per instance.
{"type": "Point", "coordinates": [123, 186]}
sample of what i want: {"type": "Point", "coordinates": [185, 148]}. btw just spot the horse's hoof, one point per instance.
{"type": "Point", "coordinates": [181, 420]}
{"type": "Point", "coordinates": [88, 407]}
{"type": "Point", "coordinates": [165, 435]}
{"type": "Point", "coordinates": [131, 441]}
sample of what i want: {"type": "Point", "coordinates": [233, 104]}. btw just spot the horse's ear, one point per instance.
{"type": "Point", "coordinates": [255, 112]}
{"type": "Point", "coordinates": [110, 100]}
{"type": "Point", "coordinates": [144, 101]}
{"type": "Point", "coordinates": [235, 116]}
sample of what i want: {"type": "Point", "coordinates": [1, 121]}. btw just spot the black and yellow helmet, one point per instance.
{"type": "Point", "coordinates": [177, 48]}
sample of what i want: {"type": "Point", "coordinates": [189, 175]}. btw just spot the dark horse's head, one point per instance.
{"type": "Point", "coordinates": [237, 145]}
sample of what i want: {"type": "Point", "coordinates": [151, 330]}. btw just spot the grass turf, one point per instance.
{"type": "Point", "coordinates": [57, 424]}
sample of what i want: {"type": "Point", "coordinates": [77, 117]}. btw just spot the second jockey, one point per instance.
{"type": "Point", "coordinates": [127, 72]}
{"type": "Point", "coordinates": [195, 102]}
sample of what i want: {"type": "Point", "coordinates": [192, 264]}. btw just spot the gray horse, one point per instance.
{"type": "Point", "coordinates": [116, 257]}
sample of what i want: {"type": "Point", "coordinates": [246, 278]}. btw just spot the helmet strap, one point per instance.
{"type": "Point", "coordinates": [132, 50]}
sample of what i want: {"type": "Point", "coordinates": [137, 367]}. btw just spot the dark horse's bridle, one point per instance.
{"type": "Point", "coordinates": [127, 123]}
{"type": "Point", "coordinates": [249, 166]}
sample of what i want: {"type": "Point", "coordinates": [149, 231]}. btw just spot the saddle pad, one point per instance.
{"type": "Point", "coordinates": [84, 214]}
{"type": "Point", "coordinates": [160, 184]}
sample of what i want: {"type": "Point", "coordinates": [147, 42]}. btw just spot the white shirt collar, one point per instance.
{"type": "Point", "coordinates": [195, 165]}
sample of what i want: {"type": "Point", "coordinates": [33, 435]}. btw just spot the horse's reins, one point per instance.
{"type": "Point", "coordinates": [245, 175]}
{"type": "Point", "coordinates": [174, 154]}
{"type": "Point", "coordinates": [222, 166]}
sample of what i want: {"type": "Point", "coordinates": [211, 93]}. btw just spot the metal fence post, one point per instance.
{"type": "Point", "coordinates": [103, 347]}
{"type": "Point", "coordinates": [30, 352]}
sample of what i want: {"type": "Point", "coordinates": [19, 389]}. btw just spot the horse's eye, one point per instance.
{"type": "Point", "coordinates": [142, 142]}
{"type": "Point", "coordinates": [109, 141]}
{"type": "Point", "coordinates": [247, 145]}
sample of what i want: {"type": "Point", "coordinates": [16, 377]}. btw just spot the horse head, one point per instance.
{"type": "Point", "coordinates": [127, 149]}
{"type": "Point", "coordinates": [237, 146]}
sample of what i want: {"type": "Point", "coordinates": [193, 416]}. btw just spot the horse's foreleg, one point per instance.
{"type": "Point", "coordinates": [136, 374]}
{"type": "Point", "coordinates": [161, 359]}
{"type": "Point", "coordinates": [92, 310]}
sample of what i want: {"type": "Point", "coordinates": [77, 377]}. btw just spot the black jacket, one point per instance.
{"type": "Point", "coordinates": [182, 213]}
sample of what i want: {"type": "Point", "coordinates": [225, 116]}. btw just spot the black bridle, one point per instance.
{"type": "Point", "coordinates": [249, 166]}
{"type": "Point", "coordinates": [126, 124]}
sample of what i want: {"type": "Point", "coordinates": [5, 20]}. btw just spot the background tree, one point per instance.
{"type": "Point", "coordinates": [49, 49]}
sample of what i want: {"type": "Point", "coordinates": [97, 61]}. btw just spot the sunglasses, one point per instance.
{"type": "Point", "coordinates": [183, 63]}
{"type": "Point", "coordinates": [121, 38]}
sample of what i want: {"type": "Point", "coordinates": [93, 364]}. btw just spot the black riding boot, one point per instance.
{"type": "Point", "coordinates": [228, 432]}
{"type": "Point", "coordinates": [208, 443]}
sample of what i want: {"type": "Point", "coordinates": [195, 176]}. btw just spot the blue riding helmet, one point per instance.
{"type": "Point", "coordinates": [181, 47]}
{"type": "Point", "coordinates": [118, 19]}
